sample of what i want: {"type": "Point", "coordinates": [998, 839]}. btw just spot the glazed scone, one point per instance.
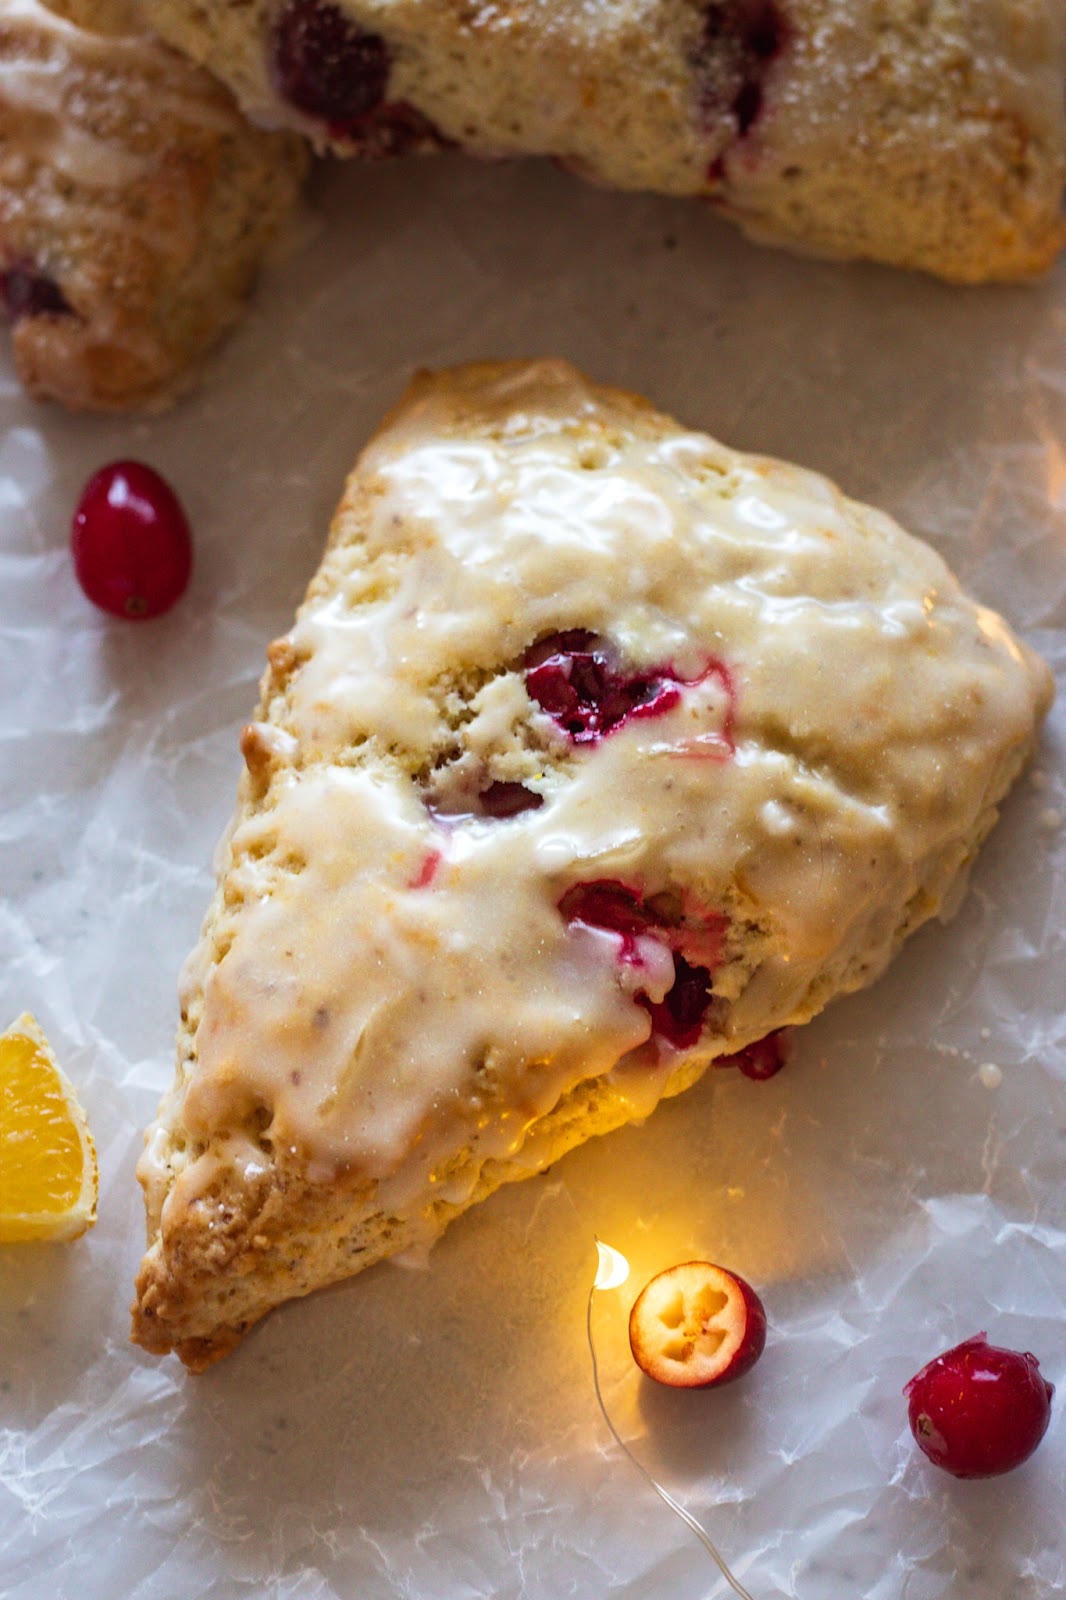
{"type": "Point", "coordinates": [924, 133]}
{"type": "Point", "coordinates": [597, 751]}
{"type": "Point", "coordinates": [135, 203]}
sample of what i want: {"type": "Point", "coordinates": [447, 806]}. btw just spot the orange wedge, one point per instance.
{"type": "Point", "coordinates": [48, 1176]}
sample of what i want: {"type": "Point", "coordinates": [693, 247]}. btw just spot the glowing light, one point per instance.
{"type": "Point", "coordinates": [612, 1270]}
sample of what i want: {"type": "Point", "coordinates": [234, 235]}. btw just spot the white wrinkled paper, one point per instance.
{"type": "Point", "coordinates": [435, 1434]}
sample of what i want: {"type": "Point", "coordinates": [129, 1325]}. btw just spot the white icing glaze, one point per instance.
{"type": "Point", "coordinates": [401, 986]}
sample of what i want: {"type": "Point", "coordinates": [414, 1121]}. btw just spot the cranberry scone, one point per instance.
{"type": "Point", "coordinates": [924, 133]}
{"type": "Point", "coordinates": [597, 752]}
{"type": "Point", "coordinates": [135, 203]}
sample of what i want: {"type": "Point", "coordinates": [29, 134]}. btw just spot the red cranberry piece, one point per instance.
{"type": "Point", "coordinates": [508, 800]}
{"type": "Point", "coordinates": [978, 1410]}
{"type": "Point", "coordinates": [742, 37]}
{"type": "Point", "coordinates": [325, 65]}
{"type": "Point", "coordinates": [761, 28]}
{"type": "Point", "coordinates": [677, 1018]}
{"type": "Point", "coordinates": [25, 291]}
{"type": "Point", "coordinates": [763, 1059]}
{"type": "Point", "coordinates": [572, 676]}
{"type": "Point", "coordinates": [427, 871]}
{"type": "Point", "coordinates": [130, 542]}
{"type": "Point", "coordinates": [498, 800]}
{"type": "Point", "coordinates": [605, 904]}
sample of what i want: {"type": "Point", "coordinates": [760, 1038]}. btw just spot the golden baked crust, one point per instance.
{"type": "Point", "coordinates": [406, 994]}
{"type": "Point", "coordinates": [135, 203]}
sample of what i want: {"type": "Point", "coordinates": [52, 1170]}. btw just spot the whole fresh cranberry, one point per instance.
{"type": "Point", "coordinates": [325, 65]}
{"type": "Point", "coordinates": [130, 542]}
{"type": "Point", "coordinates": [26, 291]}
{"type": "Point", "coordinates": [977, 1410]}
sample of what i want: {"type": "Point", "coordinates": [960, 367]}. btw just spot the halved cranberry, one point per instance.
{"type": "Point", "coordinates": [26, 291]}
{"type": "Point", "coordinates": [324, 64]}
{"type": "Point", "coordinates": [573, 676]}
{"type": "Point", "coordinates": [697, 1326]}
{"type": "Point", "coordinates": [740, 38]}
{"type": "Point", "coordinates": [763, 1059]}
{"type": "Point", "coordinates": [605, 903]}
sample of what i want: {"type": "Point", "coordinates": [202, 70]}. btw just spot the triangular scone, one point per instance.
{"type": "Point", "coordinates": [597, 751]}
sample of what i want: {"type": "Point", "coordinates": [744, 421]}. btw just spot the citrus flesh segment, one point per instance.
{"type": "Point", "coordinates": [48, 1172]}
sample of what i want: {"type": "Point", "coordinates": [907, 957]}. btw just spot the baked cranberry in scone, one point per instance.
{"type": "Point", "coordinates": [598, 753]}
{"type": "Point", "coordinates": [325, 64]}
{"type": "Point", "coordinates": [336, 73]}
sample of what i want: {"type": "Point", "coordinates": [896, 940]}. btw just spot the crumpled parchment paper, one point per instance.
{"type": "Point", "coordinates": [435, 1434]}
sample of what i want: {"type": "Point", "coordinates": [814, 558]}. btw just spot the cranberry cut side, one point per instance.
{"type": "Point", "coordinates": [325, 65]}
{"type": "Point", "coordinates": [694, 939]}
{"type": "Point", "coordinates": [574, 677]}
{"type": "Point", "coordinates": [697, 1326]}
{"type": "Point", "coordinates": [25, 291]}
{"type": "Point", "coordinates": [741, 38]}
{"type": "Point", "coordinates": [977, 1410]}
{"type": "Point", "coordinates": [130, 542]}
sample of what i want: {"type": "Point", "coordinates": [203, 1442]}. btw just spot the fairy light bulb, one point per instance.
{"type": "Point", "coordinates": [612, 1270]}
